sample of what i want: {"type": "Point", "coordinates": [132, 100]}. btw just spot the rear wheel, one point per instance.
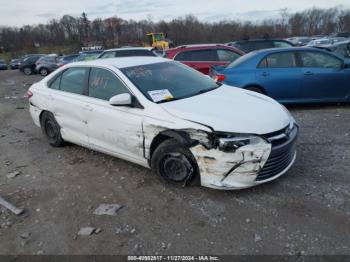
{"type": "Point", "coordinates": [174, 163]}
{"type": "Point", "coordinates": [44, 71]}
{"type": "Point", "coordinates": [27, 71]}
{"type": "Point", "coordinates": [51, 129]}
{"type": "Point", "coordinates": [255, 89]}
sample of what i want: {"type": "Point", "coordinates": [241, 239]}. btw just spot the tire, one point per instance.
{"type": "Point", "coordinates": [27, 71]}
{"type": "Point", "coordinates": [255, 89]}
{"type": "Point", "coordinates": [51, 129]}
{"type": "Point", "coordinates": [44, 72]}
{"type": "Point", "coordinates": [174, 163]}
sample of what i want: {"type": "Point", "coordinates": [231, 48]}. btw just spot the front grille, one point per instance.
{"type": "Point", "coordinates": [282, 152]}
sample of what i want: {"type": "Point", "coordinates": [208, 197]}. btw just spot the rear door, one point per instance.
{"type": "Point", "coordinates": [324, 78]}
{"type": "Point", "coordinates": [66, 100]}
{"type": "Point", "coordinates": [279, 74]}
{"type": "Point", "coordinates": [115, 130]}
{"type": "Point", "coordinates": [200, 60]}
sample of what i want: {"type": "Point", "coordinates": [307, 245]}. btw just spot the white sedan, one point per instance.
{"type": "Point", "coordinates": [166, 116]}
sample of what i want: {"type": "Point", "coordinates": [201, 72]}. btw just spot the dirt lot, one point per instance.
{"type": "Point", "coordinates": [307, 211]}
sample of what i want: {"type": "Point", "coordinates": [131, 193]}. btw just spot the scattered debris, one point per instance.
{"type": "Point", "coordinates": [13, 174]}
{"type": "Point", "coordinates": [40, 252]}
{"type": "Point", "coordinates": [247, 220]}
{"type": "Point", "coordinates": [6, 224]}
{"type": "Point", "coordinates": [12, 208]}
{"type": "Point", "coordinates": [20, 107]}
{"type": "Point", "coordinates": [86, 231]}
{"type": "Point", "coordinates": [25, 235]}
{"type": "Point", "coordinates": [98, 230]}
{"type": "Point", "coordinates": [257, 238]}
{"type": "Point", "coordinates": [133, 231]}
{"type": "Point", "coordinates": [11, 97]}
{"type": "Point", "coordinates": [107, 209]}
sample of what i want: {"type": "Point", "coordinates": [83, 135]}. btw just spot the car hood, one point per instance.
{"type": "Point", "coordinates": [231, 109]}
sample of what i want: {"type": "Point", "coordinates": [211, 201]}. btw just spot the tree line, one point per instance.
{"type": "Point", "coordinates": [114, 31]}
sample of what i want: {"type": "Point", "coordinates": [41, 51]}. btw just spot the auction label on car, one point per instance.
{"type": "Point", "coordinates": [159, 95]}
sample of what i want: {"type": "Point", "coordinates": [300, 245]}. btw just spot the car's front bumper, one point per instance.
{"type": "Point", "coordinates": [249, 165]}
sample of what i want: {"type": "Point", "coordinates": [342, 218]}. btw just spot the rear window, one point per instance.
{"type": "Point", "coordinates": [197, 55]}
{"type": "Point", "coordinates": [125, 53]}
{"type": "Point", "coordinates": [225, 55]}
{"type": "Point", "coordinates": [241, 60]}
{"type": "Point", "coordinates": [254, 45]}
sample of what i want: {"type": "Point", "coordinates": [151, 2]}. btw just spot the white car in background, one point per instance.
{"type": "Point", "coordinates": [166, 116]}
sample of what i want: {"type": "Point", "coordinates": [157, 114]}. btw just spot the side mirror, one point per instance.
{"type": "Point", "coordinates": [121, 100]}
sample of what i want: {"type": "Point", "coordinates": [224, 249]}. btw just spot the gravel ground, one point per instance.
{"type": "Point", "coordinates": [307, 211]}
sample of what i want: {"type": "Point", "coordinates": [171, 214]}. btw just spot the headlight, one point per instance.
{"type": "Point", "coordinates": [233, 143]}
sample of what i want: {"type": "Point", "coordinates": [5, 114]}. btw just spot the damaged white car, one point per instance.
{"type": "Point", "coordinates": [166, 116]}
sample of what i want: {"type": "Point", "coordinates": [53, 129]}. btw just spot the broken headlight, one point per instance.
{"type": "Point", "coordinates": [233, 143]}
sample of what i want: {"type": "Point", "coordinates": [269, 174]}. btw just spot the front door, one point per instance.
{"type": "Point", "coordinates": [115, 130]}
{"type": "Point", "coordinates": [324, 78]}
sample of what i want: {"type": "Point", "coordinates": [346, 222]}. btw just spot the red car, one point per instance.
{"type": "Point", "coordinates": [202, 57]}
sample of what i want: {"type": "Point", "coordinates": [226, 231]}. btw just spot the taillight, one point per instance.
{"type": "Point", "coordinates": [219, 78]}
{"type": "Point", "coordinates": [29, 94]}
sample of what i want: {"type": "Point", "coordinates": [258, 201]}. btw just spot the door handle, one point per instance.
{"type": "Point", "coordinates": [265, 74]}
{"type": "Point", "coordinates": [88, 108]}
{"type": "Point", "coordinates": [308, 73]}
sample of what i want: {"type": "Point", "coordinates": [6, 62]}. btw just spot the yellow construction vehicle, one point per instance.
{"type": "Point", "coordinates": [159, 41]}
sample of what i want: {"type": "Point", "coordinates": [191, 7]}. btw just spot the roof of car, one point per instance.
{"type": "Point", "coordinates": [122, 62]}
{"type": "Point", "coordinates": [130, 48]}
{"type": "Point", "coordinates": [259, 40]}
{"type": "Point", "coordinates": [198, 45]}
{"type": "Point", "coordinates": [282, 49]}
{"type": "Point", "coordinates": [202, 46]}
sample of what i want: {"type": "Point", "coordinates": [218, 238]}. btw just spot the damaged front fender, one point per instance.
{"type": "Point", "coordinates": [231, 170]}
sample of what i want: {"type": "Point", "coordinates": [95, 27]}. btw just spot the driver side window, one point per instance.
{"type": "Point", "coordinates": [103, 84]}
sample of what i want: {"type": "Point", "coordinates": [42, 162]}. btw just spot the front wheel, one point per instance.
{"type": "Point", "coordinates": [174, 163]}
{"type": "Point", "coordinates": [51, 129]}
{"type": "Point", "coordinates": [44, 72]}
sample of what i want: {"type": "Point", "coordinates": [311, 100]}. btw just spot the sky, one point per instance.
{"type": "Point", "coordinates": [22, 12]}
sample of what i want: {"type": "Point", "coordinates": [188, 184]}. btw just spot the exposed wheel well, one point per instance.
{"type": "Point", "coordinates": [181, 137]}
{"type": "Point", "coordinates": [160, 138]}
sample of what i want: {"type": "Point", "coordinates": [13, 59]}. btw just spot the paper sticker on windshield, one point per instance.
{"type": "Point", "coordinates": [159, 95]}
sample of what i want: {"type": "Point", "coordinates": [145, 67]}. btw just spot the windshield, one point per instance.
{"type": "Point", "coordinates": [168, 81]}
{"type": "Point", "coordinates": [159, 37]}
